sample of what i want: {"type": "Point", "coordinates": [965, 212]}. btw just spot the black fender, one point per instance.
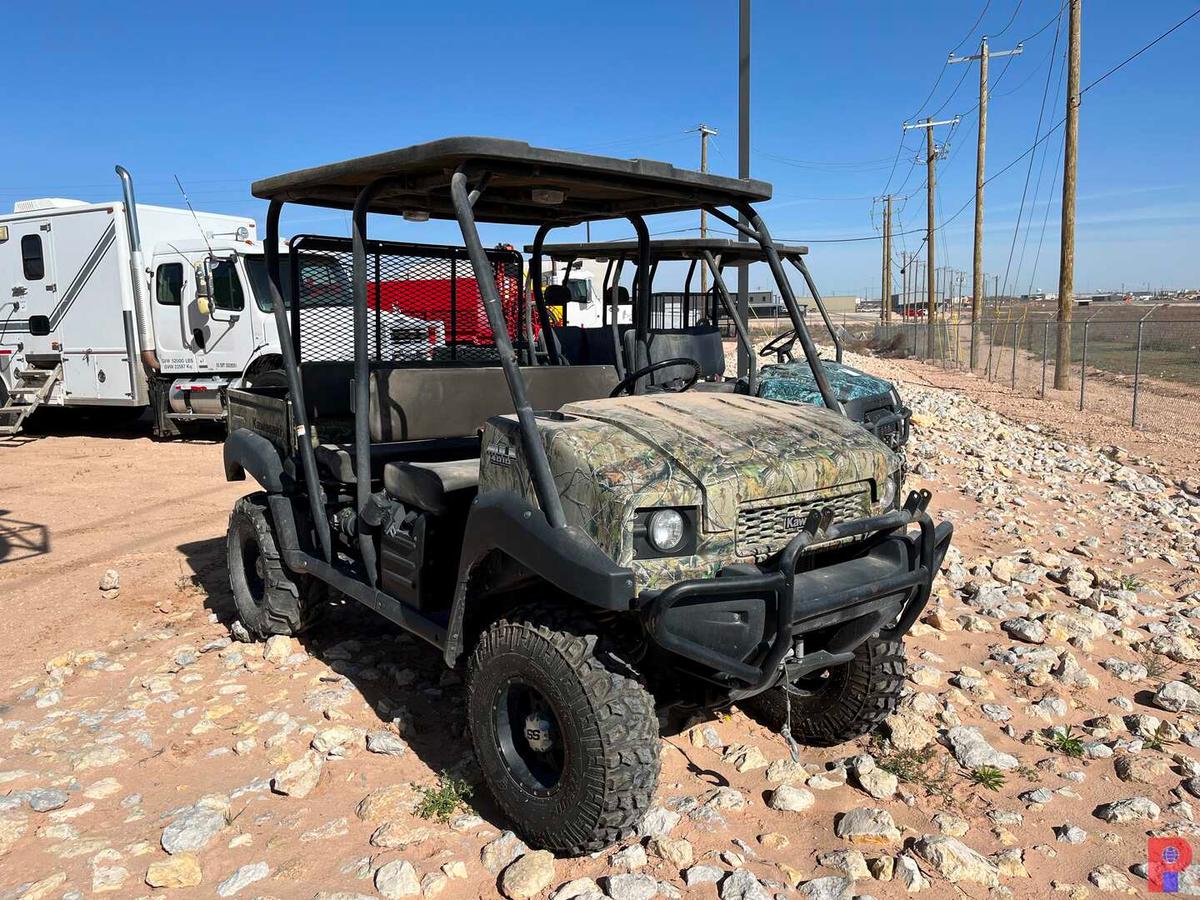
{"type": "Point", "coordinates": [246, 451]}
{"type": "Point", "coordinates": [564, 557]}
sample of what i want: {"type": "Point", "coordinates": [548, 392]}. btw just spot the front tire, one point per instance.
{"type": "Point", "coordinates": [841, 703]}
{"type": "Point", "coordinates": [269, 598]}
{"type": "Point", "coordinates": [565, 734]}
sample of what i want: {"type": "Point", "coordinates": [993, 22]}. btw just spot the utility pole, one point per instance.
{"type": "Point", "coordinates": [1066, 262]}
{"type": "Point", "coordinates": [705, 131]}
{"type": "Point", "coordinates": [743, 295]}
{"type": "Point", "coordinates": [885, 312]}
{"type": "Point", "coordinates": [932, 151]}
{"type": "Point", "coordinates": [983, 56]}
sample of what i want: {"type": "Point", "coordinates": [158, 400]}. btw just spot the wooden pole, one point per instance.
{"type": "Point", "coordinates": [1066, 263]}
{"type": "Point", "coordinates": [980, 152]}
{"type": "Point", "coordinates": [885, 313]}
{"type": "Point", "coordinates": [930, 271]}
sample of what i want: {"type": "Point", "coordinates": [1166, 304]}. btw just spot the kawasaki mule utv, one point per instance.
{"type": "Point", "coordinates": [593, 549]}
{"type": "Point", "coordinates": [872, 402]}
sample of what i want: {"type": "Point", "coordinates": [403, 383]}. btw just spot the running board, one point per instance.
{"type": "Point", "coordinates": [32, 388]}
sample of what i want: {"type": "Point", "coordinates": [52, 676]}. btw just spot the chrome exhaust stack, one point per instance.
{"type": "Point", "coordinates": [137, 271]}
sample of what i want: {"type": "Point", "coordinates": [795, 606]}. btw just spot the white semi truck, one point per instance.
{"type": "Point", "coordinates": [124, 306]}
{"type": "Point", "coordinates": [585, 281]}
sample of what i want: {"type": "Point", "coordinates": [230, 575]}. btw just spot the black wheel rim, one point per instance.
{"type": "Point", "coordinates": [535, 759]}
{"type": "Point", "coordinates": [816, 686]}
{"type": "Point", "coordinates": [254, 571]}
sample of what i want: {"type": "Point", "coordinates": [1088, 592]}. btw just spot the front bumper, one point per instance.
{"type": "Point", "coordinates": [739, 626]}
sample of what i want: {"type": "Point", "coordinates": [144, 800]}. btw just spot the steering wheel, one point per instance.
{"type": "Point", "coordinates": [678, 385]}
{"type": "Point", "coordinates": [780, 346]}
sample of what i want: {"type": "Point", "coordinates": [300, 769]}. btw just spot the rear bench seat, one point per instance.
{"type": "Point", "coordinates": [448, 404]}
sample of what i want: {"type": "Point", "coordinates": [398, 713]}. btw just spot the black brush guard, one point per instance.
{"type": "Point", "coordinates": [881, 589]}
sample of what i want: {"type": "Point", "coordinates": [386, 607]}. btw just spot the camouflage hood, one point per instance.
{"type": "Point", "coordinates": [794, 382]}
{"type": "Point", "coordinates": [738, 449]}
{"type": "Point", "coordinates": [741, 461]}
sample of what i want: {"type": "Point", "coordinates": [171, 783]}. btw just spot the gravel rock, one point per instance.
{"type": "Point", "coordinates": [299, 777]}
{"type": "Point", "coordinates": [741, 884]}
{"type": "Point", "coordinates": [956, 861]}
{"type": "Point", "coordinates": [1176, 696]}
{"type": "Point", "coordinates": [831, 887]}
{"type": "Point", "coordinates": [1133, 809]}
{"type": "Point", "coordinates": [528, 876]}
{"type": "Point", "coordinates": [386, 743]}
{"type": "Point", "coordinates": [179, 871]}
{"type": "Point", "coordinates": [788, 798]}
{"type": "Point", "coordinates": [397, 878]}
{"type": "Point", "coordinates": [868, 826]}
{"type": "Point", "coordinates": [497, 854]}
{"type": "Point", "coordinates": [243, 877]}
{"type": "Point", "coordinates": [702, 874]}
{"type": "Point", "coordinates": [47, 799]}
{"type": "Point", "coordinates": [972, 750]}
{"type": "Point", "coordinates": [192, 830]}
{"type": "Point", "coordinates": [630, 887]}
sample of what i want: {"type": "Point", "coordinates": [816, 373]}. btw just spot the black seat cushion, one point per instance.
{"type": "Point", "coordinates": [432, 486]}
{"type": "Point", "coordinates": [699, 342]}
{"type": "Point", "coordinates": [587, 346]}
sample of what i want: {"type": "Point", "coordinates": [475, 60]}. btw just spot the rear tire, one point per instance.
{"type": "Point", "coordinates": [842, 703]}
{"type": "Point", "coordinates": [268, 378]}
{"type": "Point", "coordinates": [565, 734]}
{"type": "Point", "coordinates": [269, 598]}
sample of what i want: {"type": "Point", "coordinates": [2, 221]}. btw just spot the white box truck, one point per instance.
{"type": "Point", "coordinates": [127, 306]}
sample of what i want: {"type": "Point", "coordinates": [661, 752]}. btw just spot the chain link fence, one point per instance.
{"type": "Point", "coordinates": [1137, 364]}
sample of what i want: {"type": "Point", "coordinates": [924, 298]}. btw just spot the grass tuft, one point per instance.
{"type": "Point", "coordinates": [443, 801]}
{"type": "Point", "coordinates": [988, 777]}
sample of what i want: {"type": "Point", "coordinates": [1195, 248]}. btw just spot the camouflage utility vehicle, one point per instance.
{"type": "Point", "coordinates": [872, 402]}
{"type": "Point", "coordinates": [594, 549]}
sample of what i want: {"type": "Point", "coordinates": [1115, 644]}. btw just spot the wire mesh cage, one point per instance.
{"type": "Point", "coordinates": [424, 304]}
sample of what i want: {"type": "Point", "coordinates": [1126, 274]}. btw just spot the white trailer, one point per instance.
{"type": "Point", "coordinates": [90, 319]}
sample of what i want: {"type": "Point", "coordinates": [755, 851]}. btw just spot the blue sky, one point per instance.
{"type": "Point", "coordinates": [221, 95]}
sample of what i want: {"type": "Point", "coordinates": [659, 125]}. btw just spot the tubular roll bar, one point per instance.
{"type": "Point", "coordinates": [743, 335]}
{"type": "Point", "coordinates": [535, 265]}
{"type": "Point", "coordinates": [316, 496]}
{"type": "Point", "coordinates": [802, 268]}
{"type": "Point", "coordinates": [539, 464]}
{"type": "Point", "coordinates": [618, 351]}
{"type": "Point", "coordinates": [757, 231]}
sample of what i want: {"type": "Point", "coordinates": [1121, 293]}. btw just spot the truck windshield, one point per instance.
{"type": "Point", "coordinates": [579, 290]}
{"type": "Point", "coordinates": [324, 282]}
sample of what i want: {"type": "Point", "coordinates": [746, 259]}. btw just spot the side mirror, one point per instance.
{"type": "Point", "coordinates": [204, 286]}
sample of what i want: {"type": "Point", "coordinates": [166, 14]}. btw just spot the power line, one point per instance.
{"type": "Point", "coordinates": [1134, 56]}
{"type": "Point", "coordinates": [1029, 171]}
{"type": "Point", "coordinates": [1059, 124]}
{"type": "Point", "coordinates": [1012, 19]}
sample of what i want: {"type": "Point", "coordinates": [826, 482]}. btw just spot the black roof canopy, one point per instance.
{"type": "Point", "coordinates": [673, 249]}
{"type": "Point", "coordinates": [591, 187]}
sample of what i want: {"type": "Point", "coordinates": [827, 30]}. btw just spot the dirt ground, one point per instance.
{"type": "Point", "coordinates": [148, 710]}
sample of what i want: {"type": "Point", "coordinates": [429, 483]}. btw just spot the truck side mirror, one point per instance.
{"type": "Point", "coordinates": [204, 286]}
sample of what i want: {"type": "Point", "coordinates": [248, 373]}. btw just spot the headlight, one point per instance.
{"type": "Point", "coordinates": [887, 493]}
{"type": "Point", "coordinates": [665, 530]}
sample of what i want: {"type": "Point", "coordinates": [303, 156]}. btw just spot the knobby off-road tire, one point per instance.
{"type": "Point", "coordinates": [605, 720]}
{"type": "Point", "coordinates": [850, 701]}
{"type": "Point", "coordinates": [269, 598]}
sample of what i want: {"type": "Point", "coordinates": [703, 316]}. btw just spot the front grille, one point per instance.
{"type": "Point", "coordinates": [765, 529]}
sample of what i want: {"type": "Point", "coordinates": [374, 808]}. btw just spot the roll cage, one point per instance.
{"type": "Point", "coordinates": [714, 254]}
{"type": "Point", "coordinates": [474, 180]}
